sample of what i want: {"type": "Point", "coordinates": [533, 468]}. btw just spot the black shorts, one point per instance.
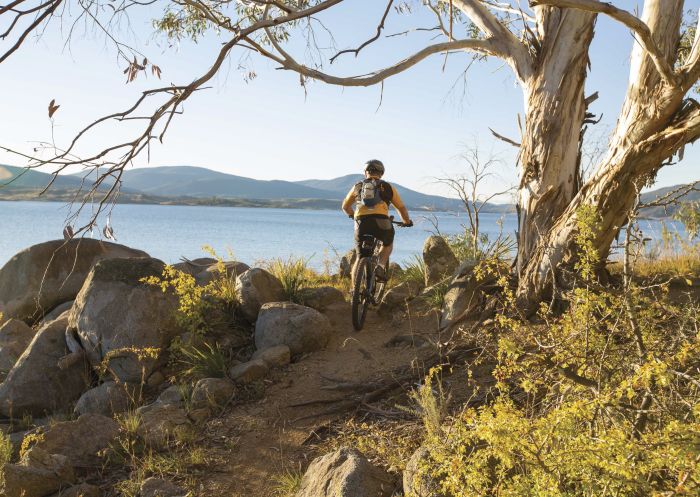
{"type": "Point", "coordinates": [378, 226]}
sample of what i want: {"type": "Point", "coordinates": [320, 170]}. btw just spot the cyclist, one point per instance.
{"type": "Point", "coordinates": [373, 196]}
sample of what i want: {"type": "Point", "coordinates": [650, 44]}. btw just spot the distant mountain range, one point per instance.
{"type": "Point", "coordinates": [200, 186]}
{"type": "Point", "coordinates": [189, 185]}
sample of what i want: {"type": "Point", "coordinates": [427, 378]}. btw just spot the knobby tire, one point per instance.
{"type": "Point", "coordinates": [360, 299]}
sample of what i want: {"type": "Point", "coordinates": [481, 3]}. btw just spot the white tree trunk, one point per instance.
{"type": "Point", "coordinates": [554, 114]}
{"type": "Point", "coordinates": [653, 125]}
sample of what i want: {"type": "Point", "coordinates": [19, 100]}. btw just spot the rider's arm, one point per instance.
{"type": "Point", "coordinates": [349, 201]}
{"type": "Point", "coordinates": [398, 203]}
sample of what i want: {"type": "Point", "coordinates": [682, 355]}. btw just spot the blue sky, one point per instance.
{"type": "Point", "coordinates": [269, 128]}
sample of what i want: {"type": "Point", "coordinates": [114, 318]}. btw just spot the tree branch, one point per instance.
{"type": "Point", "coordinates": [288, 62]}
{"type": "Point", "coordinates": [638, 27]}
{"type": "Point", "coordinates": [380, 27]}
{"type": "Point", "coordinates": [511, 48]}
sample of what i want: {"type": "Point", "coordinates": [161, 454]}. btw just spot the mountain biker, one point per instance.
{"type": "Point", "coordinates": [373, 196]}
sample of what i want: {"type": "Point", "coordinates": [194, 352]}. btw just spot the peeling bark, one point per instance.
{"type": "Point", "coordinates": [555, 109]}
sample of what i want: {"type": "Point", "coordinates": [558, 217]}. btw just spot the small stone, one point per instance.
{"type": "Point", "coordinates": [277, 356]}
{"type": "Point", "coordinates": [38, 474]}
{"type": "Point", "coordinates": [345, 473]}
{"type": "Point", "coordinates": [162, 423]}
{"type": "Point", "coordinates": [212, 392]}
{"type": "Point", "coordinates": [158, 487]}
{"type": "Point", "coordinates": [249, 371]}
{"type": "Point", "coordinates": [171, 396]}
{"type": "Point", "coordinates": [155, 380]}
{"type": "Point", "coordinates": [199, 416]}
{"type": "Point", "coordinates": [107, 399]}
{"type": "Point", "coordinates": [82, 490]}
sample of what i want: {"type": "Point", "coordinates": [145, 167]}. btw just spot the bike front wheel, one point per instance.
{"type": "Point", "coordinates": [361, 292]}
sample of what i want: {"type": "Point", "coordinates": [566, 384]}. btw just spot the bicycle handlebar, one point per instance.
{"type": "Point", "coordinates": [391, 218]}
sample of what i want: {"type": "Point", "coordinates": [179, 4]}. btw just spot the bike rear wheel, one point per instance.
{"type": "Point", "coordinates": [361, 292]}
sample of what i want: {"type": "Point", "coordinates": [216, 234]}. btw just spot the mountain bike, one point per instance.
{"type": "Point", "coordinates": [366, 289]}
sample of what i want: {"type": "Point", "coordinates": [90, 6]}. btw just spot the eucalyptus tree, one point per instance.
{"type": "Point", "coordinates": [545, 43]}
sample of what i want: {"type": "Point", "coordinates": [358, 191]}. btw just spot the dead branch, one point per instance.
{"type": "Point", "coordinates": [503, 138]}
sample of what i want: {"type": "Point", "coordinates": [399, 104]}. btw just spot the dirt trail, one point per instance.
{"type": "Point", "coordinates": [259, 439]}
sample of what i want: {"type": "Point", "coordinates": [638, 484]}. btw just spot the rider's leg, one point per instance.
{"type": "Point", "coordinates": [384, 254]}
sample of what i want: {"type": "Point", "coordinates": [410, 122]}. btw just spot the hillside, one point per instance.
{"type": "Point", "coordinates": [188, 185]}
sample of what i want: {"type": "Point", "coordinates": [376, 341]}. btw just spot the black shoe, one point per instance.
{"type": "Point", "coordinates": [380, 274]}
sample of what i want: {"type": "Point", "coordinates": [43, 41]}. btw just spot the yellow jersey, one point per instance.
{"type": "Point", "coordinates": [381, 209]}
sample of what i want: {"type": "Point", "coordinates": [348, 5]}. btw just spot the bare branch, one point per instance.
{"type": "Point", "coordinates": [503, 138]}
{"type": "Point", "coordinates": [289, 63]}
{"type": "Point", "coordinates": [380, 27]}
{"type": "Point", "coordinates": [638, 27]}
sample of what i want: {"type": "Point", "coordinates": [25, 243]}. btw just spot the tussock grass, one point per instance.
{"type": "Point", "coordinates": [287, 483]}
{"type": "Point", "coordinates": [295, 274]}
{"type": "Point", "coordinates": [204, 361]}
{"type": "Point", "coordinates": [413, 271]}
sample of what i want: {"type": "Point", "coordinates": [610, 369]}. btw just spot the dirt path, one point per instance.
{"type": "Point", "coordinates": [259, 439]}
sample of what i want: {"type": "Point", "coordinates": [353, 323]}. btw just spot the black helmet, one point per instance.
{"type": "Point", "coordinates": [374, 166]}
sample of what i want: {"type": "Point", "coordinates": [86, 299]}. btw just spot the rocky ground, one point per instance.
{"type": "Point", "coordinates": [92, 404]}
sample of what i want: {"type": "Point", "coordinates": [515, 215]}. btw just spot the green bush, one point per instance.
{"type": "Point", "coordinates": [603, 399]}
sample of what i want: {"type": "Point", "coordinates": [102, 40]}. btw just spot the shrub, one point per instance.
{"type": "Point", "coordinates": [197, 303]}
{"type": "Point", "coordinates": [600, 400]}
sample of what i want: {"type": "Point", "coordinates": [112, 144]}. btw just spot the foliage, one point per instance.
{"type": "Point", "coordinates": [435, 296]}
{"type": "Point", "coordinates": [197, 303]}
{"type": "Point", "coordinates": [5, 452]}
{"type": "Point", "coordinates": [295, 274]}
{"type": "Point", "coordinates": [205, 361]}
{"type": "Point", "coordinates": [431, 402]}
{"type": "Point", "coordinates": [689, 214]}
{"type": "Point", "coordinates": [603, 399]}
{"type": "Point", "coordinates": [131, 452]}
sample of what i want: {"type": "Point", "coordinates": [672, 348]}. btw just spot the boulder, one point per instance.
{"type": "Point", "coordinates": [38, 474]}
{"type": "Point", "coordinates": [416, 480]}
{"type": "Point", "coordinates": [276, 356]}
{"type": "Point", "coordinates": [36, 385]}
{"type": "Point", "coordinates": [195, 266]}
{"type": "Point", "coordinates": [321, 297]}
{"type": "Point", "coordinates": [439, 259]}
{"type": "Point", "coordinates": [465, 296]}
{"type": "Point", "coordinates": [301, 328]}
{"type": "Point", "coordinates": [249, 372]}
{"type": "Point", "coordinates": [212, 392]}
{"type": "Point", "coordinates": [399, 295]}
{"type": "Point", "coordinates": [15, 336]}
{"type": "Point", "coordinates": [120, 318]}
{"type": "Point", "coordinates": [346, 264]}
{"type": "Point", "coordinates": [158, 487]}
{"type": "Point", "coordinates": [57, 311]}
{"type": "Point", "coordinates": [171, 396]}
{"type": "Point", "coordinates": [82, 490]}
{"type": "Point", "coordinates": [345, 473]}
{"type": "Point", "coordinates": [80, 440]}
{"type": "Point", "coordinates": [107, 399]}
{"type": "Point", "coordinates": [233, 270]}
{"type": "Point", "coordinates": [45, 275]}
{"type": "Point", "coordinates": [161, 423]}
{"type": "Point", "coordinates": [257, 287]}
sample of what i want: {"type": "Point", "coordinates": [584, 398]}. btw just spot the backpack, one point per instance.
{"type": "Point", "coordinates": [372, 191]}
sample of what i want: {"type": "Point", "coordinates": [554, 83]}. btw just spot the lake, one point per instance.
{"type": "Point", "coordinates": [252, 234]}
